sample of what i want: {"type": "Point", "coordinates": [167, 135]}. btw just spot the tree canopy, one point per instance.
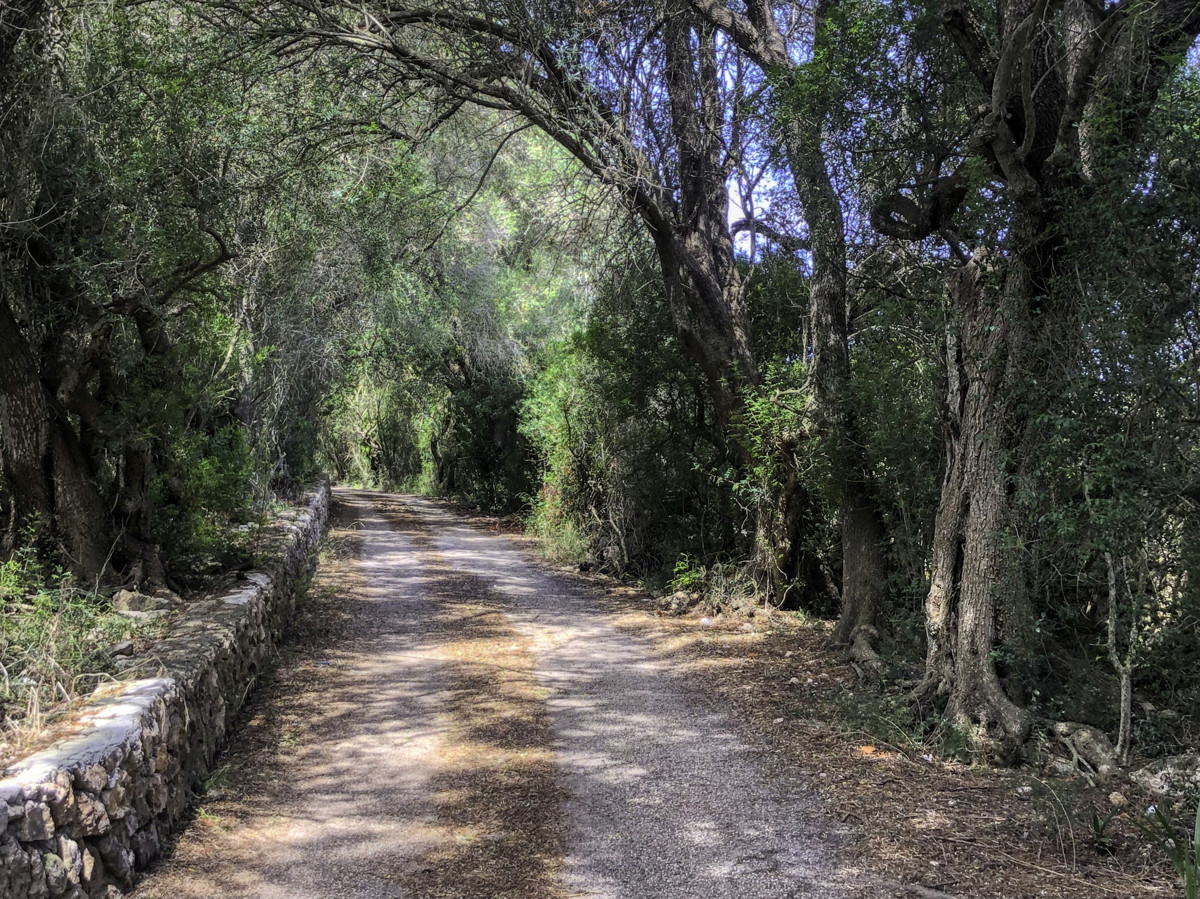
{"type": "Point", "coordinates": [882, 311]}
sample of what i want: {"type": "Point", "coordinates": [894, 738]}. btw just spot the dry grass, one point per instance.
{"type": "Point", "coordinates": [55, 650]}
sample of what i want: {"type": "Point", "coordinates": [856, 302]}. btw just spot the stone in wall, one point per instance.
{"type": "Point", "coordinates": [81, 818]}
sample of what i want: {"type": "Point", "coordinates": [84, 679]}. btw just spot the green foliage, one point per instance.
{"type": "Point", "coordinates": [55, 645]}
{"type": "Point", "coordinates": [26, 573]}
{"type": "Point", "coordinates": [1100, 838]}
{"type": "Point", "coordinates": [207, 494]}
{"type": "Point", "coordinates": [232, 270]}
{"type": "Point", "coordinates": [54, 641]}
{"type": "Point", "coordinates": [896, 397]}
{"type": "Point", "coordinates": [688, 576]}
{"type": "Point", "coordinates": [895, 403]}
{"type": "Point", "coordinates": [620, 426]}
{"type": "Point", "coordinates": [163, 308]}
{"type": "Point", "coordinates": [1182, 848]}
{"type": "Point", "coordinates": [1113, 441]}
{"type": "Point", "coordinates": [478, 452]}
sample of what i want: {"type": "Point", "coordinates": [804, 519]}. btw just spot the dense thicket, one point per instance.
{"type": "Point", "coordinates": [883, 311]}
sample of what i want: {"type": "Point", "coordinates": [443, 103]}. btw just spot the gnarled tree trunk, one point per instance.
{"type": "Point", "coordinates": [1011, 325]}
{"type": "Point", "coordinates": [48, 476]}
{"type": "Point", "coordinates": [973, 556]}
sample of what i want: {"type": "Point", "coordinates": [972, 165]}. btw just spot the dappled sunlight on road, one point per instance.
{"type": "Point", "coordinates": [665, 800]}
{"type": "Point", "coordinates": [484, 728]}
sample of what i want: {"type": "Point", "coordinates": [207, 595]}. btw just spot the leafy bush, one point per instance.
{"type": "Point", "coordinates": [209, 492]}
{"type": "Point", "coordinates": [619, 424]}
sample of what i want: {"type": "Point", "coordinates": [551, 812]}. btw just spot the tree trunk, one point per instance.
{"type": "Point", "coordinates": [1012, 333]}
{"type": "Point", "coordinates": [759, 35]}
{"type": "Point", "coordinates": [864, 577]}
{"type": "Point", "coordinates": [704, 288]}
{"type": "Point", "coordinates": [1122, 666]}
{"type": "Point", "coordinates": [711, 322]}
{"type": "Point", "coordinates": [974, 560]}
{"type": "Point", "coordinates": [947, 545]}
{"type": "Point", "coordinates": [864, 569]}
{"type": "Point", "coordinates": [136, 503]}
{"type": "Point", "coordinates": [46, 471]}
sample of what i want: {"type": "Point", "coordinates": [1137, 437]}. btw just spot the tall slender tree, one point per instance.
{"type": "Point", "coordinates": [758, 31]}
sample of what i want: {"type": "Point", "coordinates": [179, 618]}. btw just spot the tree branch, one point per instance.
{"type": "Point", "coordinates": [789, 242]}
{"type": "Point", "coordinates": [976, 50]}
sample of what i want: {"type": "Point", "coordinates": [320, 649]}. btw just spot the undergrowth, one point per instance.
{"type": "Point", "coordinates": [56, 645]}
{"type": "Point", "coordinates": [714, 587]}
{"type": "Point", "coordinates": [886, 717]}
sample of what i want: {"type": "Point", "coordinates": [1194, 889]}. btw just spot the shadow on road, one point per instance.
{"type": "Point", "coordinates": [452, 721]}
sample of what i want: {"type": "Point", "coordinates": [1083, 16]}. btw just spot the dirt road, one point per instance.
{"type": "Point", "coordinates": [456, 721]}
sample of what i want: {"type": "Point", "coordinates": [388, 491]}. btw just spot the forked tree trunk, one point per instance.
{"type": "Point", "coordinates": [1042, 76]}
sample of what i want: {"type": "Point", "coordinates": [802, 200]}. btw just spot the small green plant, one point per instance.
{"type": "Point", "coordinates": [688, 576]}
{"type": "Point", "coordinates": [24, 574]}
{"type": "Point", "coordinates": [1100, 838]}
{"type": "Point", "coordinates": [211, 819]}
{"type": "Point", "coordinates": [1183, 852]}
{"type": "Point", "coordinates": [10, 580]}
{"type": "Point", "coordinates": [219, 780]}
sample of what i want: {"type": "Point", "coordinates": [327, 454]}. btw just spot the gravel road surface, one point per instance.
{"type": "Point", "coordinates": [479, 727]}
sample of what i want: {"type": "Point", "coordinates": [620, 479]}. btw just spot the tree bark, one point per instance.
{"type": "Point", "coordinates": [704, 288]}
{"type": "Point", "coordinates": [1012, 329]}
{"type": "Point", "coordinates": [46, 471]}
{"type": "Point", "coordinates": [973, 559]}
{"type": "Point", "coordinates": [864, 570]}
{"type": "Point", "coordinates": [864, 576]}
{"type": "Point", "coordinates": [1123, 666]}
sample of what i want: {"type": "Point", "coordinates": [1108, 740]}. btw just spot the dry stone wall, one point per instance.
{"type": "Point", "coordinates": [81, 817]}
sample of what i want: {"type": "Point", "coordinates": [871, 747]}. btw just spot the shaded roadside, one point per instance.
{"type": "Point", "coordinates": [395, 750]}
